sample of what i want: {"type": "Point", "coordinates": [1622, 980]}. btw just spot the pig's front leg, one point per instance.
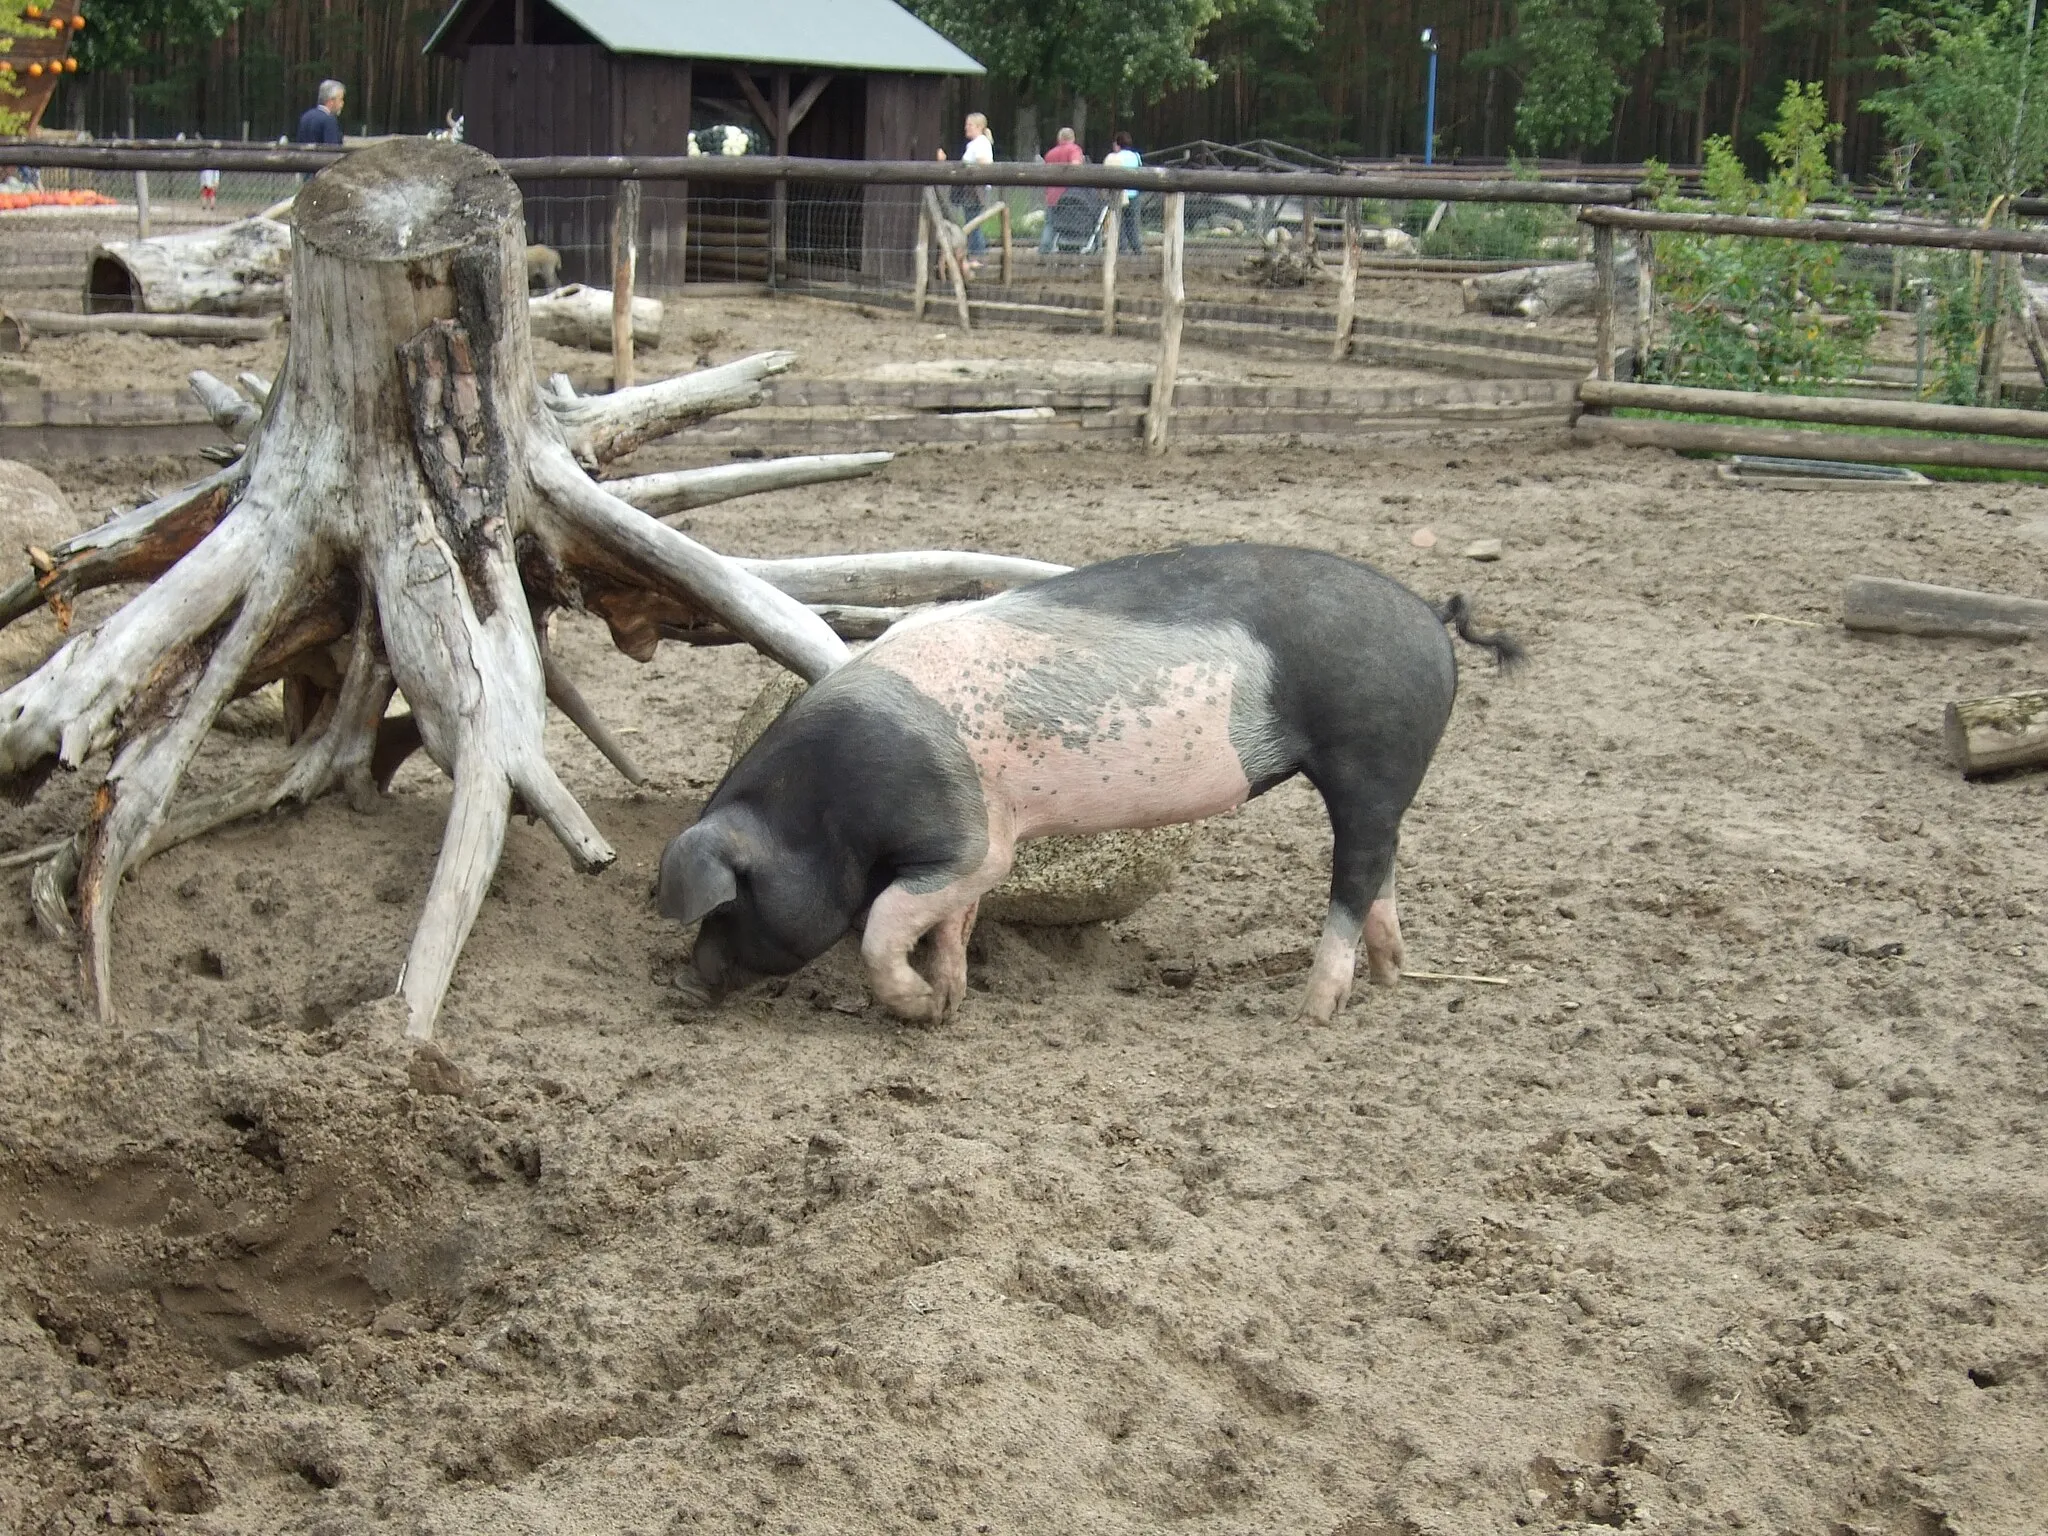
{"type": "Point", "coordinates": [949, 960]}
{"type": "Point", "coordinates": [901, 917]}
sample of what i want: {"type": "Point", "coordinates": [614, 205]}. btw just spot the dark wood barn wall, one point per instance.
{"type": "Point", "coordinates": [903, 123]}
{"type": "Point", "coordinates": [576, 98]}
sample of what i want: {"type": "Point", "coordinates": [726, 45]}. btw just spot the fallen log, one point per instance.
{"type": "Point", "coordinates": [1833, 410]}
{"type": "Point", "coordinates": [243, 268]}
{"type": "Point", "coordinates": [1706, 437]}
{"type": "Point", "coordinates": [2008, 730]}
{"type": "Point", "coordinates": [1889, 606]}
{"type": "Point", "coordinates": [1533, 292]}
{"type": "Point", "coordinates": [18, 327]}
{"type": "Point", "coordinates": [581, 316]}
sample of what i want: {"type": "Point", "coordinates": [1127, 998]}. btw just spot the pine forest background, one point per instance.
{"type": "Point", "coordinates": [1352, 86]}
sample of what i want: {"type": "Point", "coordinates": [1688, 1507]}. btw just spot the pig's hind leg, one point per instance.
{"type": "Point", "coordinates": [1361, 903]}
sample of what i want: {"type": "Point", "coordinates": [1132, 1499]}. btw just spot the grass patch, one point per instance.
{"type": "Point", "coordinates": [1931, 471]}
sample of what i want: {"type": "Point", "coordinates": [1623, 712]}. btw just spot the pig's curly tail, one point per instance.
{"type": "Point", "coordinates": [1457, 613]}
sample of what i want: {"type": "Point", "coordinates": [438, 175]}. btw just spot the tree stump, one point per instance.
{"type": "Point", "coordinates": [409, 508]}
{"type": "Point", "coordinates": [1056, 882]}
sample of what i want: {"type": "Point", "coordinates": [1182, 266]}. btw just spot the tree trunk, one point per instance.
{"type": "Point", "coordinates": [408, 508]}
{"type": "Point", "coordinates": [1534, 292]}
{"type": "Point", "coordinates": [577, 316]}
{"type": "Point", "coordinates": [242, 268]}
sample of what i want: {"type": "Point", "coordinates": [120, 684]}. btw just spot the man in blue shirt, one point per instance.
{"type": "Point", "coordinates": [322, 124]}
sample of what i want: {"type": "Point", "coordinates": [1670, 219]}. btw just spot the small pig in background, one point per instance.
{"type": "Point", "coordinates": [1141, 692]}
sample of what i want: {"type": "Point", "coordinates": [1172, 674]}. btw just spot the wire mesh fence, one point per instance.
{"type": "Point", "coordinates": [865, 238]}
{"type": "Point", "coordinates": [173, 194]}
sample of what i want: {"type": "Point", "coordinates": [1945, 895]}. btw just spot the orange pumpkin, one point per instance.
{"type": "Point", "coordinates": [71, 66]}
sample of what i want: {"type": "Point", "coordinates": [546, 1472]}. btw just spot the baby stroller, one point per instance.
{"type": "Point", "coordinates": [1076, 220]}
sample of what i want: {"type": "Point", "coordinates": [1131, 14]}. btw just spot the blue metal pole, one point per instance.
{"type": "Point", "coordinates": [1429, 117]}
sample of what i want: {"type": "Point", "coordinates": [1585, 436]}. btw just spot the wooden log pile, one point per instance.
{"type": "Point", "coordinates": [1986, 735]}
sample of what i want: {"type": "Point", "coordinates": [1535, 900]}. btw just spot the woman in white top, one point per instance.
{"type": "Point", "coordinates": [1129, 237]}
{"type": "Point", "coordinates": [980, 150]}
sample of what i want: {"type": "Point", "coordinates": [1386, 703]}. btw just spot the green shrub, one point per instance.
{"type": "Point", "coordinates": [1746, 313]}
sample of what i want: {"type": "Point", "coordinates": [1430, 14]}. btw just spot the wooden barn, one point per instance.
{"type": "Point", "coordinates": [839, 79]}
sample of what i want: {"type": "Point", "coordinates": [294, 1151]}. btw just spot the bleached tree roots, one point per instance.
{"type": "Point", "coordinates": [407, 511]}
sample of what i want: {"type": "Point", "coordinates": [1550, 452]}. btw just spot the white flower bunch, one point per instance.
{"type": "Point", "coordinates": [728, 139]}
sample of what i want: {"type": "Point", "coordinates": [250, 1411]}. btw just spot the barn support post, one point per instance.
{"type": "Point", "coordinates": [1112, 215]}
{"type": "Point", "coordinates": [778, 217]}
{"type": "Point", "coordinates": [1174, 295]}
{"type": "Point", "coordinates": [625, 256]}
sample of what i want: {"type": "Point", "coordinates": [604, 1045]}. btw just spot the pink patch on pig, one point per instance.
{"type": "Point", "coordinates": [1152, 750]}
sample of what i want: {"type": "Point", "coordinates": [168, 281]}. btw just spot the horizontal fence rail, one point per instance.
{"type": "Point", "coordinates": [1835, 231]}
{"type": "Point", "coordinates": [864, 173]}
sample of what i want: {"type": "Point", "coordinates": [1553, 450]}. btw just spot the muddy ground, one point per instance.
{"type": "Point", "coordinates": [1725, 1212]}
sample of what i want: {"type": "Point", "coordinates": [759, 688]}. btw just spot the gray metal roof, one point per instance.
{"type": "Point", "coordinates": [819, 34]}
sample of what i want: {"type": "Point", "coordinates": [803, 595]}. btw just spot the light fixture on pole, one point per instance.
{"type": "Point", "coordinates": [1429, 113]}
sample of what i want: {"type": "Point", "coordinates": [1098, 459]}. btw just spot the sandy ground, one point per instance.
{"type": "Point", "coordinates": [1727, 1212]}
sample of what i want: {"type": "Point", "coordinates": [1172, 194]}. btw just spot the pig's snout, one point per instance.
{"type": "Point", "coordinates": [712, 974]}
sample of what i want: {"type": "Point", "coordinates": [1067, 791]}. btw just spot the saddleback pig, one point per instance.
{"type": "Point", "coordinates": [1136, 693]}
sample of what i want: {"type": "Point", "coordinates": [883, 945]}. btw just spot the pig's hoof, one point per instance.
{"type": "Point", "coordinates": [692, 991]}
{"type": "Point", "coordinates": [1322, 1005]}
{"type": "Point", "coordinates": [1388, 975]}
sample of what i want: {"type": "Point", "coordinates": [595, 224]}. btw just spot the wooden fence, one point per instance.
{"type": "Point", "coordinates": [1600, 395]}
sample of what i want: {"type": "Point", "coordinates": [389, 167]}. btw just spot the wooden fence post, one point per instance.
{"type": "Point", "coordinates": [1603, 301]}
{"type": "Point", "coordinates": [1347, 286]}
{"type": "Point", "coordinates": [949, 255]}
{"type": "Point", "coordinates": [625, 256]}
{"type": "Point", "coordinates": [921, 274]}
{"type": "Point", "coordinates": [1646, 300]}
{"type": "Point", "coordinates": [1008, 256]}
{"type": "Point", "coordinates": [1991, 371]}
{"type": "Point", "coordinates": [1112, 233]}
{"type": "Point", "coordinates": [1175, 296]}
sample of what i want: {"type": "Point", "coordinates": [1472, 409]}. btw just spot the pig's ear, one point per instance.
{"type": "Point", "coordinates": [696, 876]}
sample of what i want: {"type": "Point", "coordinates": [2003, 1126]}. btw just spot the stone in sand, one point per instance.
{"type": "Point", "coordinates": [34, 513]}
